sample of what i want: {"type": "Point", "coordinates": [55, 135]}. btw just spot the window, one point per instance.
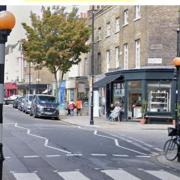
{"type": "Point", "coordinates": [117, 23]}
{"type": "Point", "coordinates": [108, 29]}
{"type": "Point", "coordinates": [117, 56]}
{"type": "Point", "coordinates": [159, 96]}
{"type": "Point", "coordinates": [125, 56]}
{"type": "Point", "coordinates": [137, 12]}
{"type": "Point", "coordinates": [126, 17]}
{"type": "Point", "coordinates": [99, 34]}
{"type": "Point", "coordinates": [108, 59]}
{"type": "Point", "coordinates": [99, 63]}
{"type": "Point", "coordinates": [137, 54]}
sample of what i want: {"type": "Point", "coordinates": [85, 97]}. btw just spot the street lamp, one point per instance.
{"type": "Point", "coordinates": [7, 22]}
{"type": "Point", "coordinates": [176, 62]}
{"type": "Point", "coordinates": [92, 69]}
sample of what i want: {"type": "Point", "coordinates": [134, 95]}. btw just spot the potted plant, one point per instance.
{"type": "Point", "coordinates": [144, 112]}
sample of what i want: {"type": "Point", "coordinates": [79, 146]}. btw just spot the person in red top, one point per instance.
{"type": "Point", "coordinates": [79, 106]}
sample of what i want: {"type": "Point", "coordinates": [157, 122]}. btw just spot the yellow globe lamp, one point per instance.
{"type": "Point", "coordinates": [176, 61]}
{"type": "Point", "coordinates": [7, 20]}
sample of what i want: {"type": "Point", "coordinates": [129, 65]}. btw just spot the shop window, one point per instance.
{"type": "Point", "coordinates": [118, 92]}
{"type": "Point", "coordinates": [134, 99]}
{"type": "Point", "coordinates": [159, 97]}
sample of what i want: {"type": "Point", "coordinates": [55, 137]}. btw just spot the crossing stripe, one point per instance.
{"type": "Point", "coordinates": [26, 176]}
{"type": "Point", "coordinates": [163, 175]}
{"type": "Point", "coordinates": [72, 175]}
{"type": "Point", "coordinates": [120, 174]}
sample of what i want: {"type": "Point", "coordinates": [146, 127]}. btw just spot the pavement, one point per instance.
{"type": "Point", "coordinates": [104, 124]}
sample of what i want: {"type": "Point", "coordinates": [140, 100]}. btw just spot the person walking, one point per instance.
{"type": "Point", "coordinates": [71, 107]}
{"type": "Point", "coordinates": [78, 106]}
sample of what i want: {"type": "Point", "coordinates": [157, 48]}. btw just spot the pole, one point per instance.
{"type": "Point", "coordinates": [29, 78]}
{"type": "Point", "coordinates": [178, 93]}
{"type": "Point", "coordinates": [92, 70]}
{"type": "Point", "coordinates": [3, 40]}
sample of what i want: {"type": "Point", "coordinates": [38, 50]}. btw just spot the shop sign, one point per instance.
{"type": "Point", "coordinates": [154, 60]}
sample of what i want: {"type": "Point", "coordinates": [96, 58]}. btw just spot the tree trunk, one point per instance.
{"type": "Point", "coordinates": [56, 85]}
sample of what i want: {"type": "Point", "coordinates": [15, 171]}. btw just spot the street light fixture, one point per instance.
{"type": "Point", "coordinates": [7, 22]}
{"type": "Point", "coordinates": [92, 69]}
{"type": "Point", "coordinates": [176, 62]}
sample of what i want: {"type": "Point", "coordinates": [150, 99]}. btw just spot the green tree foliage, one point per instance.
{"type": "Point", "coordinates": [56, 39]}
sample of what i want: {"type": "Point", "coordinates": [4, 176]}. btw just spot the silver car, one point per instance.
{"type": "Point", "coordinates": [27, 103]}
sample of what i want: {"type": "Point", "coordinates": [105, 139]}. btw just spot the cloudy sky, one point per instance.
{"type": "Point", "coordinates": [22, 15]}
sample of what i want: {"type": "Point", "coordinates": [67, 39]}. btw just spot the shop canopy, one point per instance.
{"type": "Point", "coordinates": [106, 80]}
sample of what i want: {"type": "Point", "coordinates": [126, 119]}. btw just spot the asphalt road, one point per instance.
{"type": "Point", "coordinates": [42, 149]}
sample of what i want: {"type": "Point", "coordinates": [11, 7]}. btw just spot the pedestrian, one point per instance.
{"type": "Point", "coordinates": [67, 108]}
{"type": "Point", "coordinates": [71, 107]}
{"type": "Point", "coordinates": [78, 106]}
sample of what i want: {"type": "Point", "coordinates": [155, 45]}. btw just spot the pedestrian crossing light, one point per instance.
{"type": "Point", "coordinates": [7, 22]}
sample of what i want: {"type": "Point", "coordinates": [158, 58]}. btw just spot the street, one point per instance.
{"type": "Point", "coordinates": [42, 149]}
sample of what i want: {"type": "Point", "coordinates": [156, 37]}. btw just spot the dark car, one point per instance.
{"type": "Point", "coordinates": [27, 103]}
{"type": "Point", "coordinates": [21, 103]}
{"type": "Point", "coordinates": [44, 106]}
{"type": "Point", "coordinates": [15, 103]}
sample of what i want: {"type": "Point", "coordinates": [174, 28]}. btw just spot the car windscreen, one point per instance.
{"type": "Point", "coordinates": [46, 99]}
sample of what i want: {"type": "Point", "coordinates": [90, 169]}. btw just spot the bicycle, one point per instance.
{"type": "Point", "coordinates": [171, 145]}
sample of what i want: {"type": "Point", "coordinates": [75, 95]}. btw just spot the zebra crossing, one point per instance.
{"type": "Point", "coordinates": [115, 174]}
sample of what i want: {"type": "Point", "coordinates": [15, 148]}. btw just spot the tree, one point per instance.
{"type": "Point", "coordinates": [55, 40]}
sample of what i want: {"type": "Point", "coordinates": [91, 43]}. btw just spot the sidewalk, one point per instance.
{"type": "Point", "coordinates": [103, 123]}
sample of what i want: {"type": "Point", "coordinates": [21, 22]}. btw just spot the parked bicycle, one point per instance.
{"type": "Point", "coordinates": [171, 145]}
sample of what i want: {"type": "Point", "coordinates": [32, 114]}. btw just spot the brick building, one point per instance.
{"type": "Point", "coordinates": [134, 46]}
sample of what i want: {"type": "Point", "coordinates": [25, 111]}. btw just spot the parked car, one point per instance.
{"type": "Point", "coordinates": [21, 104]}
{"type": "Point", "coordinates": [10, 99]}
{"type": "Point", "coordinates": [27, 103]}
{"type": "Point", "coordinates": [44, 106]}
{"type": "Point", "coordinates": [15, 102]}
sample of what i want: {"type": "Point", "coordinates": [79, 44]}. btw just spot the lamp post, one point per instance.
{"type": "Point", "coordinates": [92, 69]}
{"type": "Point", "coordinates": [177, 110]}
{"type": "Point", "coordinates": [7, 22]}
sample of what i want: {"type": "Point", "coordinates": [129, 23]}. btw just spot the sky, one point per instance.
{"type": "Point", "coordinates": [22, 14]}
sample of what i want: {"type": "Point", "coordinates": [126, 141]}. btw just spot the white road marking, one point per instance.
{"type": "Point", "coordinates": [163, 175]}
{"type": "Point", "coordinates": [7, 157]}
{"type": "Point", "coordinates": [98, 154]}
{"type": "Point", "coordinates": [33, 156]}
{"type": "Point", "coordinates": [120, 155]}
{"type": "Point", "coordinates": [46, 141]}
{"type": "Point", "coordinates": [26, 176]}
{"type": "Point", "coordinates": [73, 154]}
{"type": "Point", "coordinates": [72, 175]}
{"type": "Point", "coordinates": [117, 143]}
{"type": "Point", "coordinates": [120, 174]}
{"type": "Point", "coordinates": [158, 149]}
{"type": "Point", "coordinates": [143, 156]}
{"type": "Point", "coordinates": [55, 155]}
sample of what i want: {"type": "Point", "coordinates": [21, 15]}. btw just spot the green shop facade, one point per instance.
{"type": "Point", "coordinates": [146, 91]}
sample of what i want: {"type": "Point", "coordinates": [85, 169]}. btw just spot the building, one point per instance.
{"type": "Point", "coordinates": [134, 46]}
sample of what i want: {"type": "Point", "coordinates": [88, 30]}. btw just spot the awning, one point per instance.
{"type": "Point", "coordinates": [106, 80]}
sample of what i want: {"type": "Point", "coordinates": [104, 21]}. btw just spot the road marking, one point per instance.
{"type": "Point", "coordinates": [33, 156]}
{"type": "Point", "coordinates": [7, 157]}
{"type": "Point", "coordinates": [46, 141]}
{"type": "Point", "coordinates": [143, 156]}
{"type": "Point", "coordinates": [73, 155]}
{"type": "Point", "coordinates": [98, 154]}
{"type": "Point", "coordinates": [117, 174]}
{"type": "Point", "coordinates": [26, 176]}
{"type": "Point", "coordinates": [117, 143]}
{"type": "Point", "coordinates": [163, 175]}
{"type": "Point", "coordinates": [120, 155]}
{"type": "Point", "coordinates": [55, 155]}
{"type": "Point", "coordinates": [158, 149]}
{"type": "Point", "coordinates": [71, 175]}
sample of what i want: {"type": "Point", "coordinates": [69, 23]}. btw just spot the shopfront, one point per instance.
{"type": "Point", "coordinates": [140, 91]}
